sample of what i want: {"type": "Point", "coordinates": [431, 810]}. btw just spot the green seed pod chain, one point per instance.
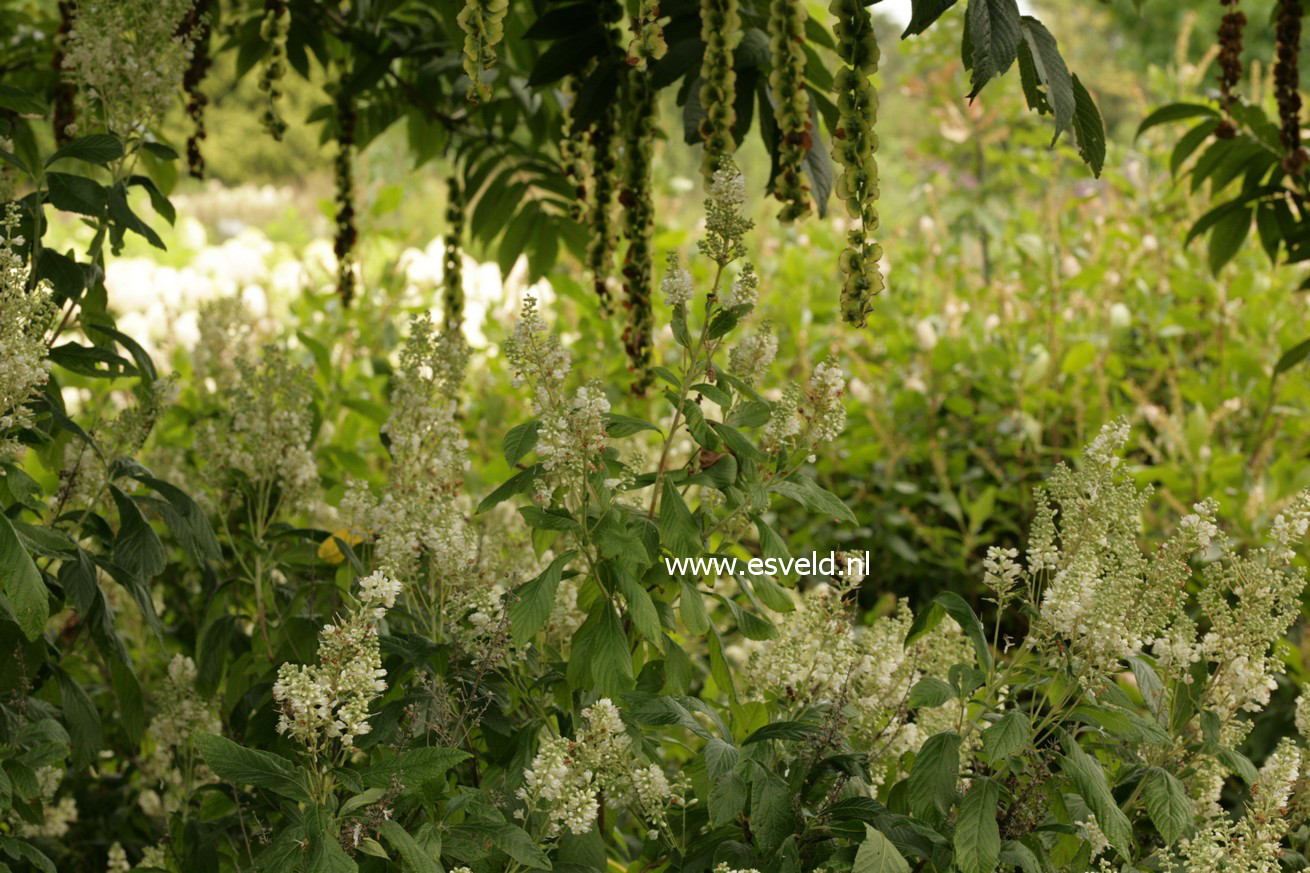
{"type": "Point", "coordinates": [65, 110]}
{"type": "Point", "coordinates": [274, 31]}
{"type": "Point", "coordinates": [792, 109]}
{"type": "Point", "coordinates": [1287, 83]}
{"type": "Point", "coordinates": [639, 222]}
{"type": "Point", "coordinates": [452, 276]}
{"type": "Point", "coordinates": [483, 22]}
{"type": "Point", "coordinates": [574, 151]}
{"type": "Point", "coordinates": [603, 143]}
{"type": "Point", "coordinates": [721, 31]}
{"type": "Point", "coordinates": [647, 36]}
{"type": "Point", "coordinates": [197, 23]}
{"type": "Point", "coordinates": [344, 244]}
{"type": "Point", "coordinates": [854, 144]}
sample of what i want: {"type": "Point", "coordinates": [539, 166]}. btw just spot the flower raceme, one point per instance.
{"type": "Point", "coordinates": [330, 700]}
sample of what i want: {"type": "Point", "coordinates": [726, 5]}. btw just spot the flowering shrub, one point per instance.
{"type": "Point", "coordinates": [278, 611]}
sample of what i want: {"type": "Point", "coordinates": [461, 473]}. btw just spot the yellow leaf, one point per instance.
{"type": "Point", "coordinates": [329, 550]}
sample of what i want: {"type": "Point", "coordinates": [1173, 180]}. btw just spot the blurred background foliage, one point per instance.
{"type": "Point", "coordinates": [1027, 302]}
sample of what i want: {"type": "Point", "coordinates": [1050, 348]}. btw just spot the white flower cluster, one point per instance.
{"type": "Point", "coordinates": [745, 290]}
{"type": "Point", "coordinates": [820, 656]}
{"type": "Point", "coordinates": [784, 421]}
{"type": "Point", "coordinates": [266, 428]}
{"type": "Point", "coordinates": [728, 187]}
{"type": "Point", "coordinates": [1250, 600]}
{"type": "Point", "coordinates": [571, 437]}
{"type": "Point", "coordinates": [169, 765]}
{"type": "Point", "coordinates": [227, 336]}
{"type": "Point", "coordinates": [677, 283]}
{"type": "Point", "coordinates": [129, 58]}
{"type": "Point", "coordinates": [25, 316]}
{"type": "Point", "coordinates": [1254, 843]}
{"type": "Point", "coordinates": [1104, 596]}
{"type": "Point", "coordinates": [827, 412]}
{"type": "Point", "coordinates": [751, 358]}
{"type": "Point", "coordinates": [567, 776]}
{"type": "Point", "coordinates": [330, 700]}
{"type": "Point", "coordinates": [418, 515]}
{"type": "Point", "coordinates": [571, 434]}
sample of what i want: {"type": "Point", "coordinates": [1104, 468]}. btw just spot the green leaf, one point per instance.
{"type": "Point", "coordinates": [929, 691]}
{"type": "Point", "coordinates": [772, 814]}
{"type": "Point", "coordinates": [411, 853]}
{"type": "Point", "coordinates": [23, 588]}
{"type": "Point", "coordinates": [641, 609]}
{"type": "Point", "coordinates": [782, 730]}
{"type": "Point", "coordinates": [1090, 782]}
{"type": "Point", "coordinates": [720, 758]}
{"type": "Point", "coordinates": [618, 426]}
{"type": "Point", "coordinates": [1088, 128]}
{"type": "Point", "coordinates": [813, 497]}
{"type": "Point", "coordinates": [679, 530]}
{"type": "Point", "coordinates": [977, 836]}
{"type": "Point", "coordinates": [1168, 805]}
{"type": "Point", "coordinates": [931, 786]}
{"type": "Point", "coordinates": [877, 855]}
{"type": "Point", "coordinates": [136, 547]}
{"type": "Point", "coordinates": [81, 718]}
{"type": "Point", "coordinates": [994, 35]}
{"type": "Point", "coordinates": [77, 194]}
{"type": "Point", "coordinates": [1227, 237]}
{"type": "Point", "coordinates": [536, 599]}
{"type": "Point", "coordinates": [1175, 112]}
{"type": "Point", "coordinates": [692, 607]}
{"type": "Point", "coordinates": [1293, 356]}
{"type": "Point", "coordinates": [188, 522]}
{"type": "Point", "coordinates": [600, 653]}
{"type": "Point", "coordinates": [727, 798]}
{"type": "Point", "coordinates": [1238, 763]}
{"type": "Point", "coordinates": [552, 520]}
{"type": "Point", "coordinates": [240, 766]}
{"type": "Point", "coordinates": [950, 603]}
{"type": "Point", "coordinates": [520, 440]}
{"type": "Point", "coordinates": [412, 767]}
{"type": "Point", "coordinates": [1006, 736]}
{"type": "Point", "coordinates": [98, 148]}
{"type": "Point", "coordinates": [1052, 72]}
{"type": "Point", "coordinates": [515, 842]}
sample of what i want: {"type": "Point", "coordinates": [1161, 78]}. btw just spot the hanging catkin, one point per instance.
{"type": "Point", "coordinates": [274, 31]}
{"type": "Point", "coordinates": [639, 221]}
{"type": "Point", "coordinates": [791, 106]}
{"type": "Point", "coordinates": [720, 30]}
{"type": "Point", "coordinates": [452, 276]}
{"type": "Point", "coordinates": [1287, 83]}
{"type": "Point", "coordinates": [600, 204]}
{"type": "Point", "coordinates": [483, 22]}
{"type": "Point", "coordinates": [1229, 62]}
{"type": "Point", "coordinates": [574, 150]}
{"type": "Point", "coordinates": [344, 245]}
{"type": "Point", "coordinates": [65, 111]}
{"type": "Point", "coordinates": [198, 25]}
{"type": "Point", "coordinates": [854, 144]}
{"type": "Point", "coordinates": [647, 36]}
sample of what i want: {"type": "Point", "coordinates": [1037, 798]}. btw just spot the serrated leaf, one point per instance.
{"type": "Point", "coordinates": [877, 855]}
{"type": "Point", "coordinates": [977, 835]}
{"type": "Point", "coordinates": [536, 599]}
{"type": "Point", "coordinates": [1089, 779]}
{"type": "Point", "coordinates": [994, 35]}
{"type": "Point", "coordinates": [412, 856]}
{"type": "Point", "coordinates": [412, 767]}
{"type": "Point", "coordinates": [26, 592]}
{"type": "Point", "coordinates": [929, 692]}
{"type": "Point", "coordinates": [931, 786]}
{"type": "Point", "coordinates": [240, 766]}
{"type": "Point", "coordinates": [1052, 72]}
{"type": "Point", "coordinates": [520, 440]}
{"type": "Point", "coordinates": [1168, 805]}
{"type": "Point", "coordinates": [1006, 736]}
